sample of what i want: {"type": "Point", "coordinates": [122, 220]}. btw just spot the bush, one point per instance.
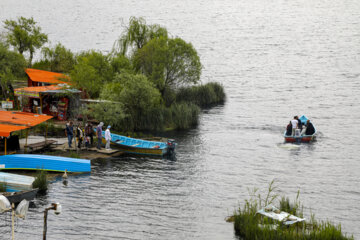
{"type": "Point", "coordinates": [184, 115]}
{"type": "Point", "coordinates": [249, 225]}
{"type": "Point", "coordinates": [41, 181]}
{"type": "Point", "coordinates": [2, 187]}
{"type": "Point", "coordinates": [202, 95]}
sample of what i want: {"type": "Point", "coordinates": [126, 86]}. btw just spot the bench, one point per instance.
{"type": "Point", "coordinates": [40, 145]}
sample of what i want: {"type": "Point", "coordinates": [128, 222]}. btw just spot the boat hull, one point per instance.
{"type": "Point", "coordinates": [303, 139]}
{"type": "Point", "coordinates": [43, 162]}
{"type": "Point", "coordinates": [16, 197]}
{"type": "Point", "coordinates": [138, 146]}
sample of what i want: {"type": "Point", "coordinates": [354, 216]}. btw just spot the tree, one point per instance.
{"type": "Point", "coordinates": [91, 72]}
{"type": "Point", "coordinates": [135, 93]}
{"type": "Point", "coordinates": [137, 34]}
{"type": "Point", "coordinates": [24, 35]}
{"type": "Point", "coordinates": [12, 66]}
{"type": "Point", "coordinates": [56, 59]}
{"type": "Point", "coordinates": [169, 63]}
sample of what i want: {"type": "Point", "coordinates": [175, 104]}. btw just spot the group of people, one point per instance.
{"type": "Point", "coordinates": [297, 128]}
{"type": "Point", "coordinates": [85, 136]}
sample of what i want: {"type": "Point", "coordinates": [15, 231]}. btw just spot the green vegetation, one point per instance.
{"type": "Point", "coordinates": [25, 36]}
{"type": "Point", "coordinates": [2, 187]}
{"type": "Point", "coordinates": [56, 59]}
{"type": "Point", "coordinates": [41, 181]}
{"type": "Point", "coordinates": [12, 66]}
{"type": "Point", "coordinates": [149, 81]}
{"type": "Point", "coordinates": [250, 225]}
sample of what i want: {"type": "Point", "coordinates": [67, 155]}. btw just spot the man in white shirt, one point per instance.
{"type": "Point", "coordinates": [294, 124]}
{"type": "Point", "coordinates": [108, 138]}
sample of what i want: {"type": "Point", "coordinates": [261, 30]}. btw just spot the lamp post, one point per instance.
{"type": "Point", "coordinates": [54, 206]}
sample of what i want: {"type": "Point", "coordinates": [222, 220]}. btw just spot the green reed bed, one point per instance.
{"type": "Point", "coordinates": [41, 181]}
{"type": "Point", "coordinates": [202, 95]}
{"type": "Point", "coordinates": [249, 225]}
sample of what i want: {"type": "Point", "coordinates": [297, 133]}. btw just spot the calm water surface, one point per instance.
{"type": "Point", "coordinates": [275, 59]}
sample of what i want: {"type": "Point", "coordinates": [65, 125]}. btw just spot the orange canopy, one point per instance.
{"type": "Point", "coordinates": [22, 118]}
{"type": "Point", "coordinates": [46, 77]}
{"type": "Point", "coordinates": [34, 91]}
{"type": "Point", "coordinates": [5, 129]}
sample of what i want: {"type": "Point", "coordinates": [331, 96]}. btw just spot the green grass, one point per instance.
{"type": "Point", "coordinates": [249, 225]}
{"type": "Point", "coordinates": [41, 181]}
{"type": "Point", "coordinates": [203, 95]}
{"type": "Point", "coordinates": [2, 187]}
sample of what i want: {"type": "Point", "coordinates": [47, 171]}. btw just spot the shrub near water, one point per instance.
{"type": "Point", "coordinates": [184, 115]}
{"type": "Point", "coordinates": [41, 181]}
{"type": "Point", "coordinates": [202, 95]}
{"type": "Point", "coordinates": [249, 225]}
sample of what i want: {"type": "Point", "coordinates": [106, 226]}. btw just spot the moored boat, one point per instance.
{"type": "Point", "coordinates": [16, 197]}
{"type": "Point", "coordinates": [43, 162]}
{"type": "Point", "coordinates": [140, 146]}
{"type": "Point", "coordinates": [297, 138]}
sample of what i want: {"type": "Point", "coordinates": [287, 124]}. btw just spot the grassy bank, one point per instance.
{"type": "Point", "coordinates": [248, 224]}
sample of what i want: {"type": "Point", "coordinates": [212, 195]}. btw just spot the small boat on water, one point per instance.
{"type": "Point", "coordinates": [140, 146]}
{"type": "Point", "coordinates": [297, 138]}
{"type": "Point", "coordinates": [16, 179]}
{"type": "Point", "coordinates": [44, 162]}
{"type": "Point", "coordinates": [16, 197]}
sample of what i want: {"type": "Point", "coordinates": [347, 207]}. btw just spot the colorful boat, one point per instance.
{"type": "Point", "coordinates": [300, 138]}
{"type": "Point", "coordinates": [43, 162]}
{"type": "Point", "coordinates": [140, 146]}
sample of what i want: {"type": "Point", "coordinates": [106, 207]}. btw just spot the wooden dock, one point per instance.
{"type": "Point", "coordinates": [101, 152]}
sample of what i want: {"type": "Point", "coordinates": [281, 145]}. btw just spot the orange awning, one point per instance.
{"type": "Point", "coordinates": [46, 77]}
{"type": "Point", "coordinates": [5, 129]}
{"type": "Point", "coordinates": [22, 118]}
{"type": "Point", "coordinates": [34, 91]}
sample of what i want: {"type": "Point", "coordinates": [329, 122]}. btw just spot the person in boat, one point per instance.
{"type": "Point", "coordinates": [99, 134]}
{"type": "Point", "coordinates": [69, 132]}
{"type": "Point", "coordinates": [300, 125]}
{"type": "Point", "coordinates": [108, 137]}
{"type": "Point", "coordinates": [310, 130]}
{"type": "Point", "coordinates": [289, 129]}
{"type": "Point", "coordinates": [294, 123]}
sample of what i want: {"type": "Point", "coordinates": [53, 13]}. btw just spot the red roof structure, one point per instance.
{"type": "Point", "coordinates": [22, 118]}
{"type": "Point", "coordinates": [36, 76]}
{"type": "Point", "coordinates": [6, 129]}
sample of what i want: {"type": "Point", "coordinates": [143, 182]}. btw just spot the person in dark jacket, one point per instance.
{"type": "Point", "coordinates": [300, 125]}
{"type": "Point", "coordinates": [310, 130]}
{"type": "Point", "coordinates": [89, 132]}
{"type": "Point", "coordinates": [99, 134]}
{"type": "Point", "coordinates": [289, 129]}
{"type": "Point", "coordinates": [69, 132]}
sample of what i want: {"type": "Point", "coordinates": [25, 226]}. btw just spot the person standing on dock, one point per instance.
{"type": "Point", "coordinates": [89, 132]}
{"type": "Point", "coordinates": [69, 132]}
{"type": "Point", "coordinates": [108, 138]}
{"type": "Point", "coordinates": [99, 134]}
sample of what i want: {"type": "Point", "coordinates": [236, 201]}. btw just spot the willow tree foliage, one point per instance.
{"type": "Point", "coordinates": [136, 35]}
{"type": "Point", "coordinates": [12, 66]}
{"type": "Point", "coordinates": [169, 63]}
{"type": "Point", "coordinates": [24, 35]}
{"type": "Point", "coordinates": [56, 59]}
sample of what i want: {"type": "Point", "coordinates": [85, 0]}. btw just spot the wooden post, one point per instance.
{"type": "Point", "coordinates": [13, 221]}
{"type": "Point", "coordinates": [41, 102]}
{"type": "Point", "coordinates": [45, 223]}
{"type": "Point", "coordinates": [5, 145]}
{"type": "Point", "coordinates": [46, 132]}
{"type": "Point", "coordinates": [26, 133]}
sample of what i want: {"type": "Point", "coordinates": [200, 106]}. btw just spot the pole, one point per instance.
{"type": "Point", "coordinates": [5, 145]}
{"type": "Point", "coordinates": [45, 223]}
{"type": "Point", "coordinates": [46, 132]}
{"type": "Point", "coordinates": [13, 222]}
{"type": "Point", "coordinates": [26, 133]}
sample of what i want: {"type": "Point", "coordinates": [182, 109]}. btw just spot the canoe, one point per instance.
{"type": "Point", "coordinates": [300, 138]}
{"type": "Point", "coordinates": [16, 197]}
{"type": "Point", "coordinates": [140, 146]}
{"type": "Point", "coordinates": [43, 162]}
{"type": "Point", "coordinates": [16, 179]}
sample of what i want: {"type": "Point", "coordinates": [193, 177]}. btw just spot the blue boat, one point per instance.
{"type": "Point", "coordinates": [300, 138]}
{"type": "Point", "coordinates": [43, 162]}
{"type": "Point", "coordinates": [140, 146]}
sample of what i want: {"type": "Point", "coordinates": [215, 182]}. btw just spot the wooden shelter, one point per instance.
{"type": "Point", "coordinates": [16, 121]}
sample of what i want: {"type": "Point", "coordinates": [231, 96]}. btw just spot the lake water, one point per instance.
{"type": "Point", "coordinates": [275, 59]}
